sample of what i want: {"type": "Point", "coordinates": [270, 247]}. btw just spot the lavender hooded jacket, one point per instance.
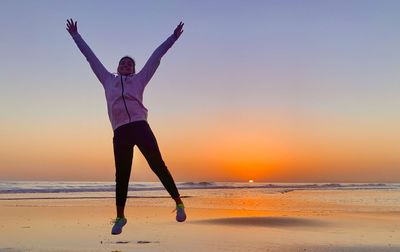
{"type": "Point", "coordinates": [124, 94]}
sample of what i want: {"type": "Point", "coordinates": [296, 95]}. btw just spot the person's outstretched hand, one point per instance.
{"type": "Point", "coordinates": [178, 30]}
{"type": "Point", "coordinates": [72, 27]}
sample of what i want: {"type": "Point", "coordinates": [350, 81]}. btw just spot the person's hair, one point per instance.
{"type": "Point", "coordinates": [131, 59]}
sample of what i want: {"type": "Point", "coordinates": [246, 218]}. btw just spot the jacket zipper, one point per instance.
{"type": "Point", "coordinates": [123, 98]}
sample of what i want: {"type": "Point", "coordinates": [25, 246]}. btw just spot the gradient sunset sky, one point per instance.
{"type": "Point", "coordinates": [275, 91]}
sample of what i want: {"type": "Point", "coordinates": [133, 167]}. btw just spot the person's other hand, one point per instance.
{"type": "Point", "coordinates": [72, 27]}
{"type": "Point", "coordinates": [178, 30]}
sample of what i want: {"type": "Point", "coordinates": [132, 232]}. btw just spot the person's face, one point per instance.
{"type": "Point", "coordinates": [125, 67]}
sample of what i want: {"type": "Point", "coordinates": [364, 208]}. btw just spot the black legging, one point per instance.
{"type": "Point", "coordinates": [125, 138]}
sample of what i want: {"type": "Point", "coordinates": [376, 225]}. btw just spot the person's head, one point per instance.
{"type": "Point", "coordinates": [126, 66]}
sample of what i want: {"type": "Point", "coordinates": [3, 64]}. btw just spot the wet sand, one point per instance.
{"type": "Point", "coordinates": [84, 225]}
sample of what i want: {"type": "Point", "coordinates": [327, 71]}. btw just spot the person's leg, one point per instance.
{"type": "Point", "coordinates": [123, 155]}
{"type": "Point", "coordinates": [147, 144]}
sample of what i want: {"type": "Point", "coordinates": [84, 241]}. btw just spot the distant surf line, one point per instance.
{"type": "Point", "coordinates": [89, 197]}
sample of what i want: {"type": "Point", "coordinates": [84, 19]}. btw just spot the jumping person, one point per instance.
{"type": "Point", "coordinates": [128, 116]}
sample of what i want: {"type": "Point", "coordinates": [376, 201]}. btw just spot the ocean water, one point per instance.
{"type": "Point", "coordinates": [373, 197]}
{"type": "Point", "coordinates": [94, 189]}
{"type": "Point", "coordinates": [212, 193]}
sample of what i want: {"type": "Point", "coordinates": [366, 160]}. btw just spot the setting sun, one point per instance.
{"type": "Point", "coordinates": [251, 181]}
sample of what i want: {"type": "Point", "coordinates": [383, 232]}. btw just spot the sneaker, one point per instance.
{"type": "Point", "coordinates": [118, 224]}
{"type": "Point", "coordinates": [180, 213]}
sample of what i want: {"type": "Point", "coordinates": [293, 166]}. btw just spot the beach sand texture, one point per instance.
{"type": "Point", "coordinates": [313, 220]}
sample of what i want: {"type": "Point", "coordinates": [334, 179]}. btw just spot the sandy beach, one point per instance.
{"type": "Point", "coordinates": [293, 221]}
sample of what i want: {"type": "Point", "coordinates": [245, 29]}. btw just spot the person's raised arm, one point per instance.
{"type": "Point", "coordinates": [154, 61]}
{"type": "Point", "coordinates": [99, 70]}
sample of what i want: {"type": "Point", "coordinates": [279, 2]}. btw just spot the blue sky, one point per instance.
{"type": "Point", "coordinates": [313, 69]}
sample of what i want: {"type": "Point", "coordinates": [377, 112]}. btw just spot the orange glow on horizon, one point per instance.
{"type": "Point", "coordinates": [224, 153]}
